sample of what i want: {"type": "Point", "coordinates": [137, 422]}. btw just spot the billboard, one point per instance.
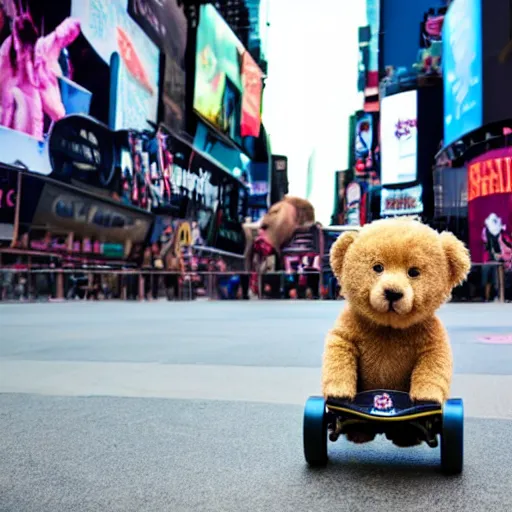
{"type": "Point", "coordinates": [406, 201]}
{"type": "Point", "coordinates": [164, 21]}
{"type": "Point", "coordinates": [118, 40]}
{"type": "Point", "coordinates": [96, 62]}
{"type": "Point", "coordinates": [462, 69]}
{"type": "Point", "coordinates": [228, 82]}
{"type": "Point", "coordinates": [490, 207]}
{"type": "Point", "coordinates": [399, 138]}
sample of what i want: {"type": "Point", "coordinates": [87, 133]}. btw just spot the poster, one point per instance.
{"type": "Point", "coordinates": [490, 207]}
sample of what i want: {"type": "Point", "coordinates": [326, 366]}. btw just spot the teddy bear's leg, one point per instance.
{"type": "Point", "coordinates": [404, 439]}
{"type": "Point", "coordinates": [360, 437]}
{"type": "Point", "coordinates": [432, 375]}
{"type": "Point", "coordinates": [339, 368]}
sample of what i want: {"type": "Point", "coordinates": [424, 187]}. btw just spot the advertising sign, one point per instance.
{"type": "Point", "coordinates": [406, 201]}
{"type": "Point", "coordinates": [164, 21]}
{"type": "Point", "coordinates": [399, 138]}
{"type": "Point", "coordinates": [353, 204]}
{"type": "Point", "coordinates": [462, 69]}
{"type": "Point", "coordinates": [110, 30]}
{"type": "Point", "coordinates": [60, 210]}
{"type": "Point", "coordinates": [228, 83]}
{"type": "Point", "coordinates": [490, 207]}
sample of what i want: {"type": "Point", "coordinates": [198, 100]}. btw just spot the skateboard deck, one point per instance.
{"type": "Point", "coordinates": [384, 405]}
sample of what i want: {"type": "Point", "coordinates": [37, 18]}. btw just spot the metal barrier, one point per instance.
{"type": "Point", "coordinates": [29, 284]}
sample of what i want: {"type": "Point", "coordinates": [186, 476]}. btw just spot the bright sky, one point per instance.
{"type": "Point", "coordinates": [312, 53]}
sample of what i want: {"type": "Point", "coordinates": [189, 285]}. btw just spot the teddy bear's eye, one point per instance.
{"type": "Point", "coordinates": [413, 272]}
{"type": "Point", "coordinates": [378, 268]}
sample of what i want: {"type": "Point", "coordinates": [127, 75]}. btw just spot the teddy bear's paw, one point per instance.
{"type": "Point", "coordinates": [426, 395]}
{"type": "Point", "coordinates": [360, 437]}
{"type": "Point", "coordinates": [338, 392]}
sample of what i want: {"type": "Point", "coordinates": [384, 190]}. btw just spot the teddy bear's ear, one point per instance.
{"type": "Point", "coordinates": [459, 260]}
{"type": "Point", "coordinates": [339, 249]}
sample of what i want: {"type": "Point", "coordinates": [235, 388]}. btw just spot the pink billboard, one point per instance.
{"type": "Point", "coordinates": [490, 207]}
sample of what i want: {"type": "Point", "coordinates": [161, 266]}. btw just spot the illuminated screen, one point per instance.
{"type": "Point", "coordinates": [399, 138]}
{"type": "Point", "coordinates": [109, 29]}
{"type": "Point", "coordinates": [228, 83]}
{"type": "Point", "coordinates": [462, 69]}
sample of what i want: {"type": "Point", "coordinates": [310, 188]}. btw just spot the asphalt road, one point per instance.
{"type": "Point", "coordinates": [198, 407]}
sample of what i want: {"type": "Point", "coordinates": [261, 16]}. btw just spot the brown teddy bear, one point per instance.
{"type": "Point", "coordinates": [394, 273]}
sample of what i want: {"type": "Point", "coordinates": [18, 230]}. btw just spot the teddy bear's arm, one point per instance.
{"type": "Point", "coordinates": [432, 375]}
{"type": "Point", "coordinates": [339, 369]}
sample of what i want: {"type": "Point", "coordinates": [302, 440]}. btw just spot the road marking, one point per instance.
{"type": "Point", "coordinates": [485, 396]}
{"type": "Point", "coordinates": [499, 339]}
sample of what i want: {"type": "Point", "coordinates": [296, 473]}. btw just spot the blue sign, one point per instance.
{"type": "Point", "coordinates": [462, 69]}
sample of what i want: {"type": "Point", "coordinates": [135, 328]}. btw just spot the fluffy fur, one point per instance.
{"type": "Point", "coordinates": [400, 345]}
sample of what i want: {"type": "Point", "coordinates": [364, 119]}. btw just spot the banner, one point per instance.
{"type": "Point", "coordinates": [490, 207]}
{"type": "Point", "coordinates": [406, 201]}
{"type": "Point", "coordinates": [251, 98]}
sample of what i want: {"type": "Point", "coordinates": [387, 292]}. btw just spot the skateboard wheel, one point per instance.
{"type": "Point", "coordinates": [315, 431]}
{"type": "Point", "coordinates": [452, 436]}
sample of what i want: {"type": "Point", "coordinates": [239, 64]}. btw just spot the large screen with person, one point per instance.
{"type": "Point", "coordinates": [462, 69]}
{"type": "Point", "coordinates": [228, 82]}
{"type": "Point", "coordinates": [399, 138]}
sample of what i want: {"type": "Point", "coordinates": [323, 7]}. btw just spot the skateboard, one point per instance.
{"type": "Point", "coordinates": [387, 412]}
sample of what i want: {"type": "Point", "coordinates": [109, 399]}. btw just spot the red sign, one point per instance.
{"type": "Point", "coordinates": [252, 82]}
{"type": "Point", "coordinates": [490, 176]}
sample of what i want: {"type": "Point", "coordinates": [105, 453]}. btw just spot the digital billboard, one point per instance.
{"type": "Point", "coordinates": [110, 30]}
{"type": "Point", "coordinates": [228, 82]}
{"type": "Point", "coordinates": [399, 138]}
{"type": "Point", "coordinates": [164, 21]}
{"type": "Point", "coordinates": [462, 69]}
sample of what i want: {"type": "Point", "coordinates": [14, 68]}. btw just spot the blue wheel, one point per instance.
{"type": "Point", "coordinates": [452, 436]}
{"type": "Point", "coordinates": [315, 431]}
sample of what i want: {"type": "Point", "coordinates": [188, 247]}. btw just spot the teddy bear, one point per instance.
{"type": "Point", "coordinates": [394, 273]}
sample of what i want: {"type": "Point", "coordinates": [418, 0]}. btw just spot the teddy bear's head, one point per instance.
{"type": "Point", "coordinates": [281, 221]}
{"type": "Point", "coordinates": [398, 272]}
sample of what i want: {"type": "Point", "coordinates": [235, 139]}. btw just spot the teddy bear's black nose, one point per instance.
{"type": "Point", "coordinates": [393, 295]}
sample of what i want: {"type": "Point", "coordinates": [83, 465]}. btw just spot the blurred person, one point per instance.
{"type": "Point", "coordinates": [222, 280]}
{"type": "Point", "coordinates": [147, 266]}
{"type": "Point", "coordinates": [173, 263]}
{"type": "Point", "coordinates": [496, 242]}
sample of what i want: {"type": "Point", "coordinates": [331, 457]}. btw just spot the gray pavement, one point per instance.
{"type": "Point", "coordinates": [198, 407]}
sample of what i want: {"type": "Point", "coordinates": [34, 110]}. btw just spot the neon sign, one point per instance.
{"type": "Point", "coordinates": [7, 198]}
{"type": "Point", "coordinates": [488, 177]}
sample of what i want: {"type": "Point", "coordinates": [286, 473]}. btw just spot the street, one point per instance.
{"type": "Point", "coordinates": [197, 406]}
